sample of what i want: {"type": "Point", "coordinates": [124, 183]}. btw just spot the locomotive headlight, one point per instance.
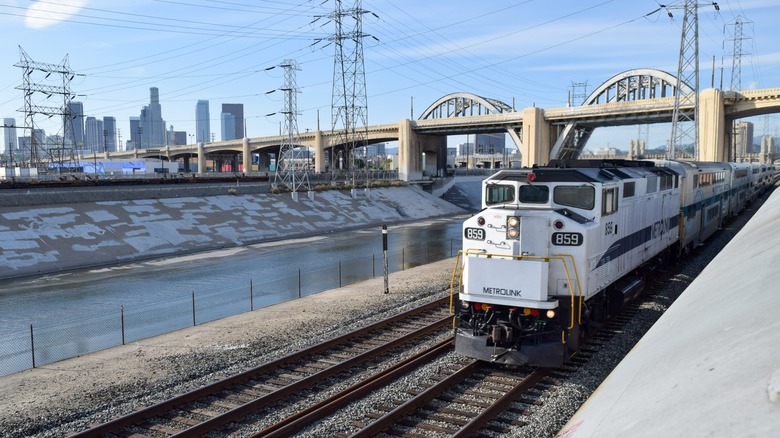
{"type": "Point", "coordinates": [551, 314]}
{"type": "Point", "coordinates": [512, 227]}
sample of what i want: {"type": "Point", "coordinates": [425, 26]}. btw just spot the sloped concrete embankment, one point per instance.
{"type": "Point", "coordinates": [43, 239]}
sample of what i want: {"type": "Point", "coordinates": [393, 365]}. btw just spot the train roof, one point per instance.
{"type": "Point", "coordinates": [586, 171]}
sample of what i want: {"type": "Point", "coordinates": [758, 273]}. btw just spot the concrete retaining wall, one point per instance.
{"type": "Point", "coordinates": [50, 238]}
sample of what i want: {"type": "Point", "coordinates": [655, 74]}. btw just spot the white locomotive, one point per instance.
{"type": "Point", "coordinates": [556, 250]}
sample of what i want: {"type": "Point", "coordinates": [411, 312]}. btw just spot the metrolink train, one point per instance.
{"type": "Point", "coordinates": [557, 250]}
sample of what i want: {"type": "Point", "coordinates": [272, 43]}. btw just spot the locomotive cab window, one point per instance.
{"type": "Point", "coordinates": [499, 194]}
{"type": "Point", "coordinates": [609, 201]}
{"type": "Point", "coordinates": [528, 194]}
{"type": "Point", "coordinates": [628, 189]}
{"type": "Point", "coordinates": [575, 196]}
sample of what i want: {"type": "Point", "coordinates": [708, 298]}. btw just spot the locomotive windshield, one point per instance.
{"type": "Point", "coordinates": [526, 194]}
{"type": "Point", "coordinates": [578, 197]}
{"type": "Point", "coordinates": [499, 194]}
{"type": "Point", "coordinates": [534, 194]}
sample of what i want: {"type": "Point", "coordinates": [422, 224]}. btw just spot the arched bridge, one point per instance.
{"type": "Point", "coordinates": [637, 96]}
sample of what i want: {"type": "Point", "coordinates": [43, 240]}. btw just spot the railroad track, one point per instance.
{"type": "Point", "coordinates": [459, 404]}
{"type": "Point", "coordinates": [217, 405]}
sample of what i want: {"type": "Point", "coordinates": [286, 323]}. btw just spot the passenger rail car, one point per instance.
{"type": "Point", "coordinates": [556, 250]}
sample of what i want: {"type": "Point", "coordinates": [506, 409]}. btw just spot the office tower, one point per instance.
{"type": "Point", "coordinates": [228, 122]}
{"type": "Point", "coordinates": [237, 110]}
{"type": "Point", "coordinates": [743, 139]}
{"type": "Point", "coordinates": [202, 122]}
{"type": "Point", "coordinates": [93, 133]}
{"type": "Point", "coordinates": [9, 134]}
{"type": "Point", "coordinates": [490, 143]}
{"type": "Point", "coordinates": [74, 125]}
{"type": "Point", "coordinates": [152, 133]}
{"type": "Point", "coordinates": [176, 138]}
{"type": "Point", "coordinates": [135, 141]}
{"type": "Point", "coordinates": [109, 134]}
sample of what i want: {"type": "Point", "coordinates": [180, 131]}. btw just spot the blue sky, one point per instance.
{"type": "Point", "coordinates": [522, 52]}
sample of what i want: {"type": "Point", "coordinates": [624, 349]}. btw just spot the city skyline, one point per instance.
{"type": "Point", "coordinates": [525, 55]}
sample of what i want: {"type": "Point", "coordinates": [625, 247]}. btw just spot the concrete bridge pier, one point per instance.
{"type": "Point", "coordinates": [411, 147]}
{"type": "Point", "coordinates": [246, 162]}
{"type": "Point", "coordinates": [713, 128]}
{"type": "Point", "coordinates": [536, 137]}
{"type": "Point", "coordinates": [319, 153]}
{"type": "Point", "coordinates": [201, 159]}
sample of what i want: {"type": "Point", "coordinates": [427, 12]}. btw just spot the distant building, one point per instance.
{"type": "Point", "coordinates": [743, 139]}
{"type": "Point", "coordinates": [93, 133]}
{"type": "Point", "coordinates": [228, 122]}
{"type": "Point", "coordinates": [374, 150]}
{"type": "Point", "coordinates": [109, 134]}
{"type": "Point", "coordinates": [465, 149]}
{"type": "Point", "coordinates": [135, 141]}
{"type": "Point", "coordinates": [490, 143]}
{"type": "Point", "coordinates": [74, 125]}
{"type": "Point", "coordinates": [152, 132]}
{"type": "Point", "coordinates": [605, 152]}
{"type": "Point", "coordinates": [9, 136]}
{"type": "Point", "coordinates": [202, 122]}
{"type": "Point", "coordinates": [237, 111]}
{"type": "Point", "coordinates": [177, 138]}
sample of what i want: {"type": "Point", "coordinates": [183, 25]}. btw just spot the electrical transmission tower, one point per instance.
{"type": "Point", "coordinates": [685, 125]}
{"type": "Point", "coordinates": [579, 92]}
{"type": "Point", "coordinates": [738, 148]}
{"type": "Point", "coordinates": [737, 54]}
{"type": "Point", "coordinates": [349, 101]}
{"type": "Point", "coordinates": [65, 152]}
{"type": "Point", "coordinates": [292, 170]}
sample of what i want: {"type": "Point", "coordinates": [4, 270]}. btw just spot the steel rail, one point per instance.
{"type": "Point", "coordinates": [139, 416]}
{"type": "Point", "coordinates": [330, 405]}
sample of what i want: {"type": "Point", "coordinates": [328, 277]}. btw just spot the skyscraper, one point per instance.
{"type": "Point", "coordinates": [202, 122]}
{"type": "Point", "coordinates": [109, 134]}
{"type": "Point", "coordinates": [9, 134]}
{"type": "Point", "coordinates": [237, 111]}
{"type": "Point", "coordinates": [74, 125]}
{"type": "Point", "coordinates": [135, 141]}
{"type": "Point", "coordinates": [152, 134]}
{"type": "Point", "coordinates": [93, 134]}
{"type": "Point", "coordinates": [228, 122]}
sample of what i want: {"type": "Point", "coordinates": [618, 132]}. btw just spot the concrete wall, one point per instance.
{"type": "Point", "coordinates": [50, 238]}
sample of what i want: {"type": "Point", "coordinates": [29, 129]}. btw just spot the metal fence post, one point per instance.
{"type": "Point", "coordinates": [339, 273]}
{"type": "Point", "coordinates": [299, 282]}
{"type": "Point", "coordinates": [403, 259]}
{"type": "Point", "coordinates": [122, 317]}
{"type": "Point", "coordinates": [251, 296]}
{"type": "Point", "coordinates": [32, 345]}
{"type": "Point", "coordinates": [193, 307]}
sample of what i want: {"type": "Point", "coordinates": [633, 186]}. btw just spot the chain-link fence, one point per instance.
{"type": "Point", "coordinates": [47, 343]}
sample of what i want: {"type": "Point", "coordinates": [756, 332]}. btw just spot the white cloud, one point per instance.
{"type": "Point", "coordinates": [48, 13]}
